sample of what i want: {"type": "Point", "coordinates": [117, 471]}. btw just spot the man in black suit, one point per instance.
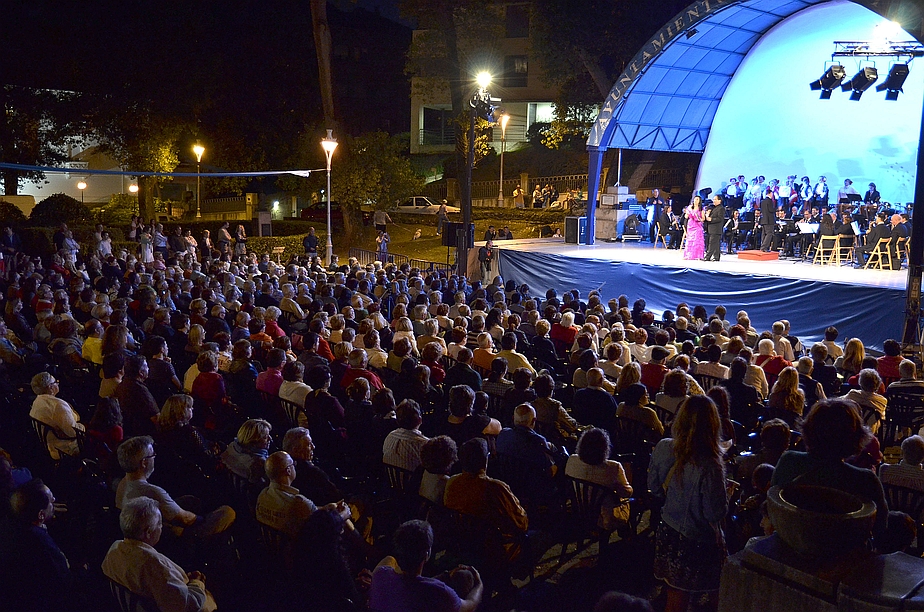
{"type": "Point", "coordinates": [658, 202]}
{"type": "Point", "coordinates": [715, 223]}
{"type": "Point", "coordinates": [822, 372]}
{"type": "Point", "coordinates": [767, 222]}
{"type": "Point", "coordinates": [877, 231]}
{"type": "Point", "coordinates": [593, 405]}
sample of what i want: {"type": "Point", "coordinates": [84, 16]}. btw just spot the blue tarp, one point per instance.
{"type": "Point", "coordinates": [873, 314]}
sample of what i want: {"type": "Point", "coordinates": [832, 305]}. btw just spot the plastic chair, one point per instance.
{"type": "Point", "coordinates": [127, 601]}
{"type": "Point", "coordinates": [586, 500]}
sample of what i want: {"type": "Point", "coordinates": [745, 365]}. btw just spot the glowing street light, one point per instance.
{"type": "Point", "coordinates": [198, 150]}
{"type": "Point", "coordinates": [329, 144]}
{"type": "Point", "coordinates": [133, 188]}
{"type": "Point", "coordinates": [500, 191]}
{"type": "Point", "coordinates": [82, 185]}
{"type": "Point", "coordinates": [483, 79]}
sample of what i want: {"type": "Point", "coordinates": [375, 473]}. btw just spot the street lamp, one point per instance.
{"type": "Point", "coordinates": [500, 190]}
{"type": "Point", "coordinates": [81, 186]}
{"type": "Point", "coordinates": [481, 105]}
{"type": "Point", "coordinates": [133, 188]}
{"type": "Point", "coordinates": [329, 144]}
{"type": "Point", "coordinates": [198, 150]}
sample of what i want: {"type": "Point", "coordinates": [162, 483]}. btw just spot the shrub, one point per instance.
{"type": "Point", "coordinates": [10, 214]}
{"type": "Point", "coordinates": [60, 208]}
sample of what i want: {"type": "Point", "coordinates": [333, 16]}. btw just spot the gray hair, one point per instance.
{"type": "Point", "coordinates": [131, 452]}
{"type": "Point", "coordinates": [139, 516]}
{"type": "Point", "coordinates": [913, 450]}
{"type": "Point", "coordinates": [41, 383]}
{"type": "Point", "coordinates": [805, 365]}
{"type": "Point", "coordinates": [293, 437]}
{"type": "Point", "coordinates": [907, 369]}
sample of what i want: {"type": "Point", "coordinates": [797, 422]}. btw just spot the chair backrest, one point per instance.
{"type": "Point", "coordinates": [128, 601]}
{"type": "Point", "coordinates": [904, 411]}
{"type": "Point", "coordinates": [271, 407]}
{"type": "Point", "coordinates": [665, 416]}
{"type": "Point", "coordinates": [635, 437]}
{"type": "Point", "coordinates": [399, 479]}
{"type": "Point", "coordinates": [275, 541]}
{"type": "Point", "coordinates": [586, 499]}
{"type": "Point", "coordinates": [903, 499]}
{"type": "Point", "coordinates": [43, 430]}
{"type": "Point", "coordinates": [290, 411]}
{"type": "Point", "coordinates": [706, 382]}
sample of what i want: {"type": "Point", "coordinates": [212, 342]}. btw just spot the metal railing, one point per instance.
{"type": "Point", "coordinates": [488, 189]}
{"type": "Point", "coordinates": [668, 177]}
{"type": "Point", "coordinates": [443, 137]}
{"type": "Point", "coordinates": [365, 257]}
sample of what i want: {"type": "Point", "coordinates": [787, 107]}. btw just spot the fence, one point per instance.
{"type": "Point", "coordinates": [364, 257]}
{"type": "Point", "coordinates": [668, 177]}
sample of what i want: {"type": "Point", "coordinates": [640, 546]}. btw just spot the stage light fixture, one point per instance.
{"type": "Point", "coordinates": [860, 82]}
{"type": "Point", "coordinates": [829, 81]}
{"type": "Point", "coordinates": [894, 82]}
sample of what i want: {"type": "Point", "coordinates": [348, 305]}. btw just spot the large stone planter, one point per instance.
{"type": "Point", "coordinates": [820, 521]}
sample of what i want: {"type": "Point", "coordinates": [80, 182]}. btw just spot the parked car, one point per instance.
{"type": "Point", "coordinates": [421, 205]}
{"type": "Point", "coordinates": [317, 212]}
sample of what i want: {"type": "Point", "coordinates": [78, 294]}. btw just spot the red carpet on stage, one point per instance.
{"type": "Point", "coordinates": [758, 255]}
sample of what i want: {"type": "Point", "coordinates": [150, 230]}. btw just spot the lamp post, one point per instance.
{"type": "Point", "coordinates": [329, 144]}
{"type": "Point", "coordinates": [500, 189]}
{"type": "Point", "coordinates": [133, 188]}
{"type": "Point", "coordinates": [198, 150]}
{"type": "Point", "coordinates": [480, 105]}
{"type": "Point", "coordinates": [82, 185]}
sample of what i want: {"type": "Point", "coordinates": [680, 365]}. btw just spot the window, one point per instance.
{"type": "Point", "coordinates": [517, 21]}
{"type": "Point", "coordinates": [515, 71]}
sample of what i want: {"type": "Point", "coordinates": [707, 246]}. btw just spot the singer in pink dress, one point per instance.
{"type": "Point", "coordinates": [696, 241]}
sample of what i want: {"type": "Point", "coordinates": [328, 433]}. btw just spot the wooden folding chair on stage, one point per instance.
{"type": "Point", "coordinates": [659, 237]}
{"type": "Point", "coordinates": [877, 255]}
{"type": "Point", "coordinates": [826, 251]}
{"type": "Point", "coordinates": [683, 241]}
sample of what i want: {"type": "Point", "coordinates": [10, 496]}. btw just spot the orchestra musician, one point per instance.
{"type": "Point", "coordinates": [878, 230]}
{"type": "Point", "coordinates": [872, 195]}
{"type": "Point", "coordinates": [732, 231]}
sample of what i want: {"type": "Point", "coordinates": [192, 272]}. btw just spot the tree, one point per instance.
{"type": "Point", "coordinates": [372, 168]}
{"type": "Point", "coordinates": [582, 52]}
{"type": "Point", "coordinates": [11, 214]}
{"type": "Point", "coordinates": [322, 46]}
{"type": "Point", "coordinates": [141, 138]}
{"type": "Point", "coordinates": [454, 41]}
{"type": "Point", "coordinates": [35, 128]}
{"type": "Point", "coordinates": [60, 208]}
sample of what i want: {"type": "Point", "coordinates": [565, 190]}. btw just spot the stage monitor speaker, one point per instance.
{"type": "Point", "coordinates": [576, 230]}
{"type": "Point", "coordinates": [453, 233]}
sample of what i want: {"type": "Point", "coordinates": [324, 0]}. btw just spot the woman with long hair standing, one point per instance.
{"type": "Point", "coordinates": [688, 473]}
{"type": "Point", "coordinates": [696, 239]}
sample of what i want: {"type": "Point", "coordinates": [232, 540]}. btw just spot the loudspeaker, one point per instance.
{"type": "Point", "coordinates": [576, 230]}
{"type": "Point", "coordinates": [453, 233]}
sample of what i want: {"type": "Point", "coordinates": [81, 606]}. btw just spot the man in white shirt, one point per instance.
{"type": "Point", "coordinates": [135, 564]}
{"type": "Point", "coordinates": [402, 445]}
{"type": "Point", "coordinates": [57, 413]}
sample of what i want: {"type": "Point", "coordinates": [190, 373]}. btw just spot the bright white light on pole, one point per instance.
{"type": "Point", "coordinates": [81, 185]}
{"type": "Point", "coordinates": [483, 79]}
{"type": "Point", "coordinates": [329, 145]}
{"type": "Point", "coordinates": [133, 188]}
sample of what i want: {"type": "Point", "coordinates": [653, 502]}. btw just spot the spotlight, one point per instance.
{"type": "Point", "coordinates": [829, 80]}
{"type": "Point", "coordinates": [860, 82]}
{"type": "Point", "coordinates": [893, 83]}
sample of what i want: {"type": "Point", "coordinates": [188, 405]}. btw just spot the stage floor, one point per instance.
{"type": "Point", "coordinates": [644, 253]}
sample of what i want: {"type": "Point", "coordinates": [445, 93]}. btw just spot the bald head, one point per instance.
{"type": "Point", "coordinates": [280, 468]}
{"type": "Point", "coordinates": [896, 219]}
{"type": "Point", "coordinates": [524, 415]}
